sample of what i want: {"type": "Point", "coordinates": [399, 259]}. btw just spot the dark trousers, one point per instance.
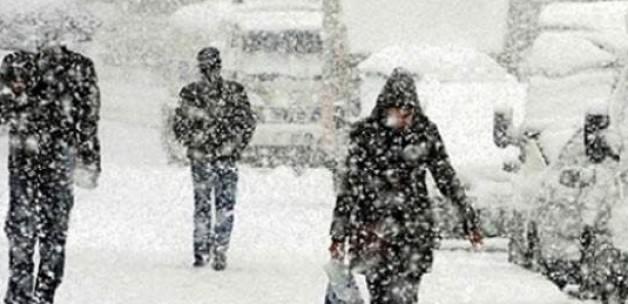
{"type": "Point", "coordinates": [39, 212]}
{"type": "Point", "coordinates": [220, 179]}
{"type": "Point", "coordinates": [388, 287]}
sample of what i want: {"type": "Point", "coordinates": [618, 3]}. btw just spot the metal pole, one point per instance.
{"type": "Point", "coordinates": [329, 94]}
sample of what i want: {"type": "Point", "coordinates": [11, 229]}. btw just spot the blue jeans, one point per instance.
{"type": "Point", "coordinates": [221, 179]}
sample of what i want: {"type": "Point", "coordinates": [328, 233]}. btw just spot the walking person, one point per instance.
{"type": "Point", "coordinates": [50, 100]}
{"type": "Point", "coordinates": [382, 222]}
{"type": "Point", "coordinates": [215, 123]}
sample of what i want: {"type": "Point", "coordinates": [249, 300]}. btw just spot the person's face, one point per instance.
{"type": "Point", "coordinates": [18, 87]}
{"type": "Point", "coordinates": [400, 118]}
{"type": "Point", "coordinates": [212, 72]}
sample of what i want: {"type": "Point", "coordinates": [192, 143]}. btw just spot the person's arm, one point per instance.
{"type": "Point", "coordinates": [244, 122]}
{"type": "Point", "coordinates": [352, 189]}
{"type": "Point", "coordinates": [450, 186]}
{"type": "Point", "coordinates": [12, 86]}
{"type": "Point", "coordinates": [88, 149]}
{"type": "Point", "coordinates": [182, 125]}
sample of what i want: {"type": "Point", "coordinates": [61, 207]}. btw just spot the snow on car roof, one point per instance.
{"type": "Point", "coordinates": [279, 20]}
{"type": "Point", "coordinates": [436, 63]}
{"type": "Point", "coordinates": [373, 25]}
{"type": "Point", "coordinates": [204, 16]}
{"type": "Point", "coordinates": [604, 16]}
{"type": "Point", "coordinates": [263, 16]}
{"type": "Point", "coordinates": [564, 53]}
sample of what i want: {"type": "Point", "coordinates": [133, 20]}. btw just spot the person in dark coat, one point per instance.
{"type": "Point", "coordinates": [383, 214]}
{"type": "Point", "coordinates": [50, 100]}
{"type": "Point", "coordinates": [214, 121]}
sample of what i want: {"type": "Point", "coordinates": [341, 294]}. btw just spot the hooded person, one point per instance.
{"type": "Point", "coordinates": [383, 215]}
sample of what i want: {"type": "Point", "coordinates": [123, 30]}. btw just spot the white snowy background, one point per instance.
{"type": "Point", "coordinates": [131, 239]}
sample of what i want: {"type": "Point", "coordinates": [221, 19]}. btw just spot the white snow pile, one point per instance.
{"type": "Point", "coordinates": [556, 54]}
{"type": "Point", "coordinates": [444, 64]}
{"type": "Point", "coordinates": [254, 15]}
{"type": "Point", "coordinates": [564, 101]}
{"type": "Point", "coordinates": [598, 16]}
{"type": "Point", "coordinates": [204, 16]}
{"type": "Point", "coordinates": [578, 37]}
{"type": "Point", "coordinates": [28, 23]}
{"type": "Point", "coordinates": [373, 25]}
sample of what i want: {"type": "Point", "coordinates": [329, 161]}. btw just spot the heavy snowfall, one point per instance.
{"type": "Point", "coordinates": [314, 151]}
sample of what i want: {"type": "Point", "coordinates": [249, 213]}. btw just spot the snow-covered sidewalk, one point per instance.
{"type": "Point", "coordinates": [130, 239]}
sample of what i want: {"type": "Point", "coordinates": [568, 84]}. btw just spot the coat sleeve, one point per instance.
{"type": "Point", "coordinates": [353, 184]}
{"type": "Point", "coordinates": [244, 121]}
{"type": "Point", "coordinates": [9, 103]}
{"type": "Point", "coordinates": [182, 125]}
{"type": "Point", "coordinates": [447, 181]}
{"type": "Point", "coordinates": [6, 96]}
{"type": "Point", "coordinates": [88, 150]}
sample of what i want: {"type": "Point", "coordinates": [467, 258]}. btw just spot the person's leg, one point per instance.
{"type": "Point", "coordinates": [54, 216]}
{"type": "Point", "coordinates": [389, 287]}
{"type": "Point", "coordinates": [406, 290]}
{"type": "Point", "coordinates": [226, 187]}
{"type": "Point", "coordinates": [202, 182]}
{"type": "Point", "coordinates": [378, 282]}
{"type": "Point", "coordinates": [20, 229]}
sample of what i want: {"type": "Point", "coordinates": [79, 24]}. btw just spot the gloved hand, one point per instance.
{"type": "Point", "coordinates": [337, 250]}
{"type": "Point", "coordinates": [86, 178]}
{"type": "Point", "coordinates": [475, 237]}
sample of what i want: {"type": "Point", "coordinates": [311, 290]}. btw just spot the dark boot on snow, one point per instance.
{"type": "Point", "coordinates": [219, 262]}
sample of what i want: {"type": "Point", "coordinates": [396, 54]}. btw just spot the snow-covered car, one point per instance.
{"type": "Point", "coordinates": [572, 205]}
{"type": "Point", "coordinates": [562, 194]}
{"type": "Point", "coordinates": [566, 232]}
{"type": "Point", "coordinates": [462, 90]}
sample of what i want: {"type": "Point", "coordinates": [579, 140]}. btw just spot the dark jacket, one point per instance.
{"type": "Point", "coordinates": [57, 114]}
{"type": "Point", "coordinates": [383, 209]}
{"type": "Point", "coordinates": [214, 120]}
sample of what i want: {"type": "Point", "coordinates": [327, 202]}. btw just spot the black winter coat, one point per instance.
{"type": "Point", "coordinates": [57, 115]}
{"type": "Point", "coordinates": [214, 120]}
{"type": "Point", "coordinates": [383, 209]}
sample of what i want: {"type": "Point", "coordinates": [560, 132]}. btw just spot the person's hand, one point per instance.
{"type": "Point", "coordinates": [337, 250]}
{"type": "Point", "coordinates": [86, 178]}
{"type": "Point", "coordinates": [475, 237]}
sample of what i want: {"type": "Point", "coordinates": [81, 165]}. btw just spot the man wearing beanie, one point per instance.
{"type": "Point", "coordinates": [215, 123]}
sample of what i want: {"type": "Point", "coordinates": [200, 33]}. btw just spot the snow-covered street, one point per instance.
{"type": "Point", "coordinates": [130, 239]}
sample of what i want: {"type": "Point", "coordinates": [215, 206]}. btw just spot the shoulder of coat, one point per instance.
{"type": "Point", "coordinates": [233, 86]}
{"type": "Point", "coordinates": [189, 90]}
{"type": "Point", "coordinates": [363, 129]}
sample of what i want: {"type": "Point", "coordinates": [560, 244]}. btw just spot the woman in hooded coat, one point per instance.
{"type": "Point", "coordinates": [383, 215]}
